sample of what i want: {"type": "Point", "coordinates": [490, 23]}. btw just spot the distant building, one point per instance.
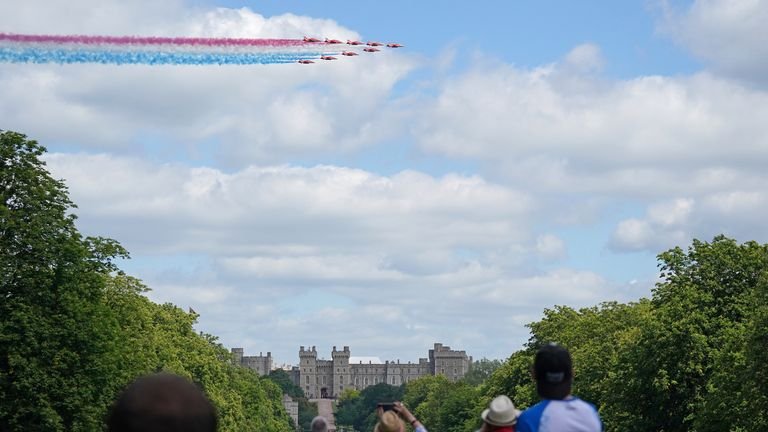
{"type": "Point", "coordinates": [328, 378]}
{"type": "Point", "coordinates": [260, 363]}
{"type": "Point", "coordinates": [292, 408]}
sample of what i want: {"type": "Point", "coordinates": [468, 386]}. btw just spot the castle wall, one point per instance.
{"type": "Point", "coordinates": [262, 364]}
{"type": "Point", "coordinates": [329, 378]}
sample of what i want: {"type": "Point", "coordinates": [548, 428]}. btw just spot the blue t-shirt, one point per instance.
{"type": "Point", "coordinates": [569, 415]}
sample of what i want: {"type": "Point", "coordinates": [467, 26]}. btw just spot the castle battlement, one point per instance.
{"type": "Point", "coordinates": [329, 378]}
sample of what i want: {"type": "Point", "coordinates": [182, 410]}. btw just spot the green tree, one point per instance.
{"type": "Point", "coordinates": [54, 330]}
{"type": "Point", "coordinates": [700, 312]}
{"type": "Point", "coordinates": [481, 370]}
{"type": "Point", "coordinates": [74, 330]}
{"type": "Point", "coordinates": [281, 378]}
{"type": "Point", "coordinates": [360, 412]}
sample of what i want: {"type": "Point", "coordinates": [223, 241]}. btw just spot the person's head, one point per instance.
{"type": "Point", "coordinates": [162, 402]}
{"type": "Point", "coordinates": [501, 413]}
{"type": "Point", "coordinates": [319, 424]}
{"type": "Point", "coordinates": [553, 372]}
{"type": "Point", "coordinates": [389, 422]}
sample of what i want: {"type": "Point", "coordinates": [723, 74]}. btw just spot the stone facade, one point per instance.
{"type": "Point", "coordinates": [292, 408]}
{"type": "Point", "coordinates": [260, 363]}
{"type": "Point", "coordinates": [328, 378]}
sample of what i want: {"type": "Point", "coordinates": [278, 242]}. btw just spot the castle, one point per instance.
{"type": "Point", "coordinates": [329, 378]}
{"type": "Point", "coordinates": [260, 363]}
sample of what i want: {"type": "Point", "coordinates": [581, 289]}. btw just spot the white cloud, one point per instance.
{"type": "Point", "coordinates": [585, 58]}
{"type": "Point", "coordinates": [728, 35]}
{"type": "Point", "coordinates": [735, 213]}
{"type": "Point", "coordinates": [600, 135]}
{"type": "Point", "coordinates": [666, 224]}
{"type": "Point", "coordinates": [237, 114]}
{"type": "Point", "coordinates": [274, 255]}
{"type": "Point", "coordinates": [204, 209]}
{"type": "Point", "coordinates": [583, 143]}
{"type": "Point", "coordinates": [550, 246]}
{"type": "Point", "coordinates": [286, 250]}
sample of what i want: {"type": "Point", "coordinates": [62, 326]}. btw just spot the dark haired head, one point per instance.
{"type": "Point", "coordinates": [162, 402]}
{"type": "Point", "coordinates": [553, 372]}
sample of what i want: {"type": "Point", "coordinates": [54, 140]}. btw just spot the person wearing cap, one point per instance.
{"type": "Point", "coordinates": [319, 424]}
{"type": "Point", "coordinates": [392, 421]}
{"type": "Point", "coordinates": [500, 416]}
{"type": "Point", "coordinates": [558, 410]}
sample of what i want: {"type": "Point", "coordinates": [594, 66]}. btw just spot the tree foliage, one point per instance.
{"type": "Point", "coordinates": [74, 330]}
{"type": "Point", "coordinates": [692, 357]}
{"type": "Point", "coordinates": [481, 370]}
{"type": "Point", "coordinates": [360, 411]}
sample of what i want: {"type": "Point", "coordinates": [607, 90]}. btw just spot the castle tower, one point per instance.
{"type": "Point", "coordinates": [308, 372]}
{"type": "Point", "coordinates": [237, 355]}
{"type": "Point", "coordinates": [451, 363]}
{"type": "Point", "coordinates": [342, 374]}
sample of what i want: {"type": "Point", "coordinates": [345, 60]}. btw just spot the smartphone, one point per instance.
{"type": "Point", "coordinates": [386, 406]}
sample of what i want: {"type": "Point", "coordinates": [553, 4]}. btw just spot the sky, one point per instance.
{"type": "Point", "coordinates": [513, 156]}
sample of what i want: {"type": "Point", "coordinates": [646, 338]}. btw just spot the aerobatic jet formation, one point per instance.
{"type": "Point", "coordinates": [150, 50]}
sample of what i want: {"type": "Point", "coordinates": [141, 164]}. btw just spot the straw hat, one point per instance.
{"type": "Point", "coordinates": [501, 412]}
{"type": "Point", "coordinates": [389, 422]}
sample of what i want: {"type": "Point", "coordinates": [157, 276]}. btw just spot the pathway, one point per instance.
{"type": "Point", "coordinates": [325, 409]}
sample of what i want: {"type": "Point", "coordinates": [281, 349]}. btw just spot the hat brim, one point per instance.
{"type": "Point", "coordinates": [485, 418]}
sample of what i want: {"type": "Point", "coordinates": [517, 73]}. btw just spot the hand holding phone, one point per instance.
{"type": "Point", "coordinates": [386, 406]}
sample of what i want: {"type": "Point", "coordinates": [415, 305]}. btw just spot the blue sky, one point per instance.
{"type": "Point", "coordinates": [513, 156]}
{"type": "Point", "coordinates": [524, 33]}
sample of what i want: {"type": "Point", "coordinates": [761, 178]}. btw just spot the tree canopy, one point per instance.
{"type": "Point", "coordinates": [74, 330]}
{"type": "Point", "coordinates": [692, 357]}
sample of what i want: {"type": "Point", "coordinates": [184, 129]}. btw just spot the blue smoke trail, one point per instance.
{"type": "Point", "coordinates": [32, 55]}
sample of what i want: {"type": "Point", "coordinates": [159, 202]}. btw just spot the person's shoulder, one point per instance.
{"type": "Point", "coordinates": [529, 420]}
{"type": "Point", "coordinates": [580, 410]}
{"type": "Point", "coordinates": [585, 404]}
